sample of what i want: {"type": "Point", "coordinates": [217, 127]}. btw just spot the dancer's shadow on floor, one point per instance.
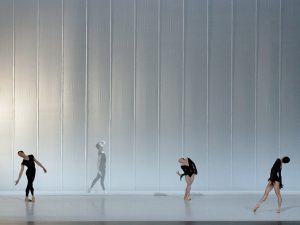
{"type": "Point", "coordinates": [165, 194]}
{"type": "Point", "coordinates": [284, 209]}
{"type": "Point", "coordinates": [259, 210]}
{"type": "Point", "coordinates": [289, 207]}
{"type": "Point", "coordinates": [198, 194]}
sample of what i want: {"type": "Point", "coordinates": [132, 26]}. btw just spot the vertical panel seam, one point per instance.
{"type": "Point", "coordinates": [134, 92]}
{"type": "Point", "coordinates": [62, 97]}
{"type": "Point", "coordinates": [207, 90]}
{"type": "Point", "coordinates": [13, 93]}
{"type": "Point", "coordinates": [158, 93]}
{"type": "Point", "coordinates": [280, 76]}
{"type": "Point", "coordinates": [37, 79]}
{"type": "Point", "coordinates": [86, 92]}
{"type": "Point", "coordinates": [110, 92]}
{"type": "Point", "coordinates": [255, 93]}
{"type": "Point", "coordinates": [231, 94]}
{"type": "Point", "coordinates": [183, 82]}
{"type": "Point", "coordinates": [37, 73]}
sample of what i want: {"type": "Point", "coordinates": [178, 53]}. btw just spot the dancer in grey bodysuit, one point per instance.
{"type": "Point", "coordinates": [101, 165]}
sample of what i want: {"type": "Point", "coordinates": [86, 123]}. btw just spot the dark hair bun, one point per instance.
{"type": "Point", "coordinates": [286, 159]}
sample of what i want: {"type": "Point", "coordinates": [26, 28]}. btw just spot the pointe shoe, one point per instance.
{"type": "Point", "coordinates": [33, 199]}
{"type": "Point", "coordinates": [27, 199]}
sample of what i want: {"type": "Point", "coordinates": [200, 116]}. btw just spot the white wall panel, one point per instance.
{"type": "Point", "coordinates": [74, 75]}
{"type": "Point", "coordinates": [217, 81]}
{"type": "Point", "coordinates": [267, 99]}
{"type": "Point", "coordinates": [219, 94]}
{"type": "Point", "coordinates": [98, 84]}
{"type": "Point", "coordinates": [6, 94]}
{"type": "Point", "coordinates": [195, 93]}
{"type": "Point", "coordinates": [243, 105]}
{"type": "Point", "coordinates": [122, 139]}
{"type": "Point", "coordinates": [49, 98]}
{"type": "Point", "coordinates": [146, 149]}
{"type": "Point", "coordinates": [290, 88]}
{"type": "Point", "coordinates": [170, 104]}
{"type": "Point", "coordinates": [25, 81]}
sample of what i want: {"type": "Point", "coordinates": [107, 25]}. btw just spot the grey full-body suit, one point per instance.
{"type": "Point", "coordinates": [101, 166]}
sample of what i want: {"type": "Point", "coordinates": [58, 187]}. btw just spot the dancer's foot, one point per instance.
{"type": "Point", "coordinates": [27, 199]}
{"type": "Point", "coordinates": [33, 199]}
{"type": "Point", "coordinates": [278, 210]}
{"type": "Point", "coordinates": [185, 197]}
{"type": "Point", "coordinates": [256, 207]}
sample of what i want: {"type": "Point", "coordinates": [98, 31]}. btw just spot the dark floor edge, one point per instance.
{"type": "Point", "coordinates": [150, 222]}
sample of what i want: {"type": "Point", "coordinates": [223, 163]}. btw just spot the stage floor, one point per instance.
{"type": "Point", "coordinates": [64, 209]}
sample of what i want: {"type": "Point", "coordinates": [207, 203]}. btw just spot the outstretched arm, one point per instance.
{"type": "Point", "coordinates": [37, 162]}
{"type": "Point", "coordinates": [20, 174]}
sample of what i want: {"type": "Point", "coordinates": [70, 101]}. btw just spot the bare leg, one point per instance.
{"type": "Point", "coordinates": [265, 196]}
{"type": "Point", "coordinates": [278, 194]}
{"type": "Point", "coordinates": [189, 180]}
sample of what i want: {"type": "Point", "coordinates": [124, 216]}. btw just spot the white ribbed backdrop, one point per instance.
{"type": "Point", "coordinates": [215, 80]}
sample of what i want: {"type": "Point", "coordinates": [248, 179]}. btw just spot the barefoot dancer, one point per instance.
{"type": "Point", "coordinates": [190, 170]}
{"type": "Point", "coordinates": [274, 182]}
{"type": "Point", "coordinates": [101, 165]}
{"type": "Point", "coordinates": [29, 161]}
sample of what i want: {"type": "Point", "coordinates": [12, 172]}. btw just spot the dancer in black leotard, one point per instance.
{"type": "Point", "coordinates": [189, 171]}
{"type": "Point", "coordinates": [275, 181]}
{"type": "Point", "coordinates": [29, 161]}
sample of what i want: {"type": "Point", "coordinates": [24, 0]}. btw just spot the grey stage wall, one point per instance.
{"type": "Point", "coordinates": [215, 80]}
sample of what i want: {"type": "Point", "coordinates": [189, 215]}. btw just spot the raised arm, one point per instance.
{"type": "Point", "coordinates": [192, 164]}
{"type": "Point", "coordinates": [195, 168]}
{"type": "Point", "coordinates": [37, 162]}
{"type": "Point", "coordinates": [275, 169]}
{"type": "Point", "coordinates": [20, 174]}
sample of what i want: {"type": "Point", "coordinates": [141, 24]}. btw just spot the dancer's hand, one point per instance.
{"type": "Point", "coordinates": [45, 171]}
{"type": "Point", "coordinates": [16, 182]}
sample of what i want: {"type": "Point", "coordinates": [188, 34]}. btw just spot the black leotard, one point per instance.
{"type": "Point", "coordinates": [189, 170]}
{"type": "Point", "coordinates": [275, 174]}
{"type": "Point", "coordinates": [30, 173]}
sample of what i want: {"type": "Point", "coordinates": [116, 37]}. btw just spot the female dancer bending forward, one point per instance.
{"type": "Point", "coordinates": [275, 182]}
{"type": "Point", "coordinates": [29, 161]}
{"type": "Point", "coordinates": [189, 171]}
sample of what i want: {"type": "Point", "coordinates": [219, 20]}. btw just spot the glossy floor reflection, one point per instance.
{"type": "Point", "coordinates": [81, 209]}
